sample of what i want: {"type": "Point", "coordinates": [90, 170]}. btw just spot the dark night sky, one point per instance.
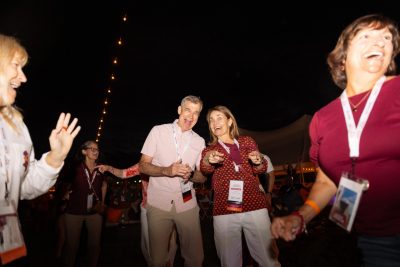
{"type": "Point", "coordinates": [266, 64]}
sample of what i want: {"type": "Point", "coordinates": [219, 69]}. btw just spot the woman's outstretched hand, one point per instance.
{"type": "Point", "coordinates": [61, 139]}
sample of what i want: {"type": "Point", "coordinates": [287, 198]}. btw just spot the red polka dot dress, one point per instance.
{"type": "Point", "coordinates": [222, 174]}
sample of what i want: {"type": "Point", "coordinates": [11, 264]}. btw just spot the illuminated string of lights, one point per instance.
{"type": "Point", "coordinates": [113, 76]}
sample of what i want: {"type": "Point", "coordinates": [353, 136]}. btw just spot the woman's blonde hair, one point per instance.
{"type": "Point", "coordinates": [233, 129]}
{"type": "Point", "coordinates": [9, 46]}
{"type": "Point", "coordinates": [337, 56]}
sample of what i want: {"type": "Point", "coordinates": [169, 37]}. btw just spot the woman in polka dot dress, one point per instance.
{"type": "Point", "coordinates": [234, 162]}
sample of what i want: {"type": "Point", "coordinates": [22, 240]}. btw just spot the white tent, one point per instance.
{"type": "Point", "coordinates": [289, 144]}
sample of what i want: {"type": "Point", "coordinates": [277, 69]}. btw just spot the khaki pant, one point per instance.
{"type": "Point", "coordinates": [187, 224]}
{"type": "Point", "coordinates": [144, 240]}
{"type": "Point", "coordinates": [73, 226]}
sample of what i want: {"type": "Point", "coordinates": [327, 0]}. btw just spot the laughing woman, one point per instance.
{"type": "Point", "coordinates": [239, 200]}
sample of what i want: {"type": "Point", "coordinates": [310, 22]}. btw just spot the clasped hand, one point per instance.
{"type": "Point", "coordinates": [180, 169]}
{"type": "Point", "coordinates": [285, 227]}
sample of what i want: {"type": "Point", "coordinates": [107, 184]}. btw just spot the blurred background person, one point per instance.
{"type": "Point", "coordinates": [144, 234]}
{"type": "Point", "coordinates": [87, 189]}
{"type": "Point", "coordinates": [267, 180]}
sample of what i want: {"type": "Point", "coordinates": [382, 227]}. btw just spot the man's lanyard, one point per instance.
{"type": "Point", "coordinates": [354, 132]}
{"type": "Point", "coordinates": [229, 151]}
{"type": "Point", "coordinates": [4, 159]}
{"type": "Point", "coordinates": [177, 144]}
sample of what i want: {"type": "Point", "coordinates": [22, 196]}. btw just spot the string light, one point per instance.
{"type": "Point", "coordinates": [113, 78]}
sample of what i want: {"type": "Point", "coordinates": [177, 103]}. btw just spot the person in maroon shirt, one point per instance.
{"type": "Point", "coordinates": [239, 199]}
{"type": "Point", "coordinates": [86, 199]}
{"type": "Point", "coordinates": [358, 134]}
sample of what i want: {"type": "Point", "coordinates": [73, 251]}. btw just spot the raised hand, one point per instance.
{"type": "Point", "coordinates": [61, 139]}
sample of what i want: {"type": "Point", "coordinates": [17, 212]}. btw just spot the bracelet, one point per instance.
{"type": "Point", "coordinates": [303, 224]}
{"type": "Point", "coordinates": [313, 205]}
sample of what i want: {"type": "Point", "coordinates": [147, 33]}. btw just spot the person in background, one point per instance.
{"type": "Point", "coordinates": [239, 202]}
{"type": "Point", "coordinates": [355, 138]}
{"type": "Point", "coordinates": [170, 155]}
{"type": "Point", "coordinates": [144, 236]}
{"type": "Point", "coordinates": [21, 175]}
{"type": "Point", "coordinates": [289, 192]}
{"type": "Point", "coordinates": [61, 196]}
{"type": "Point", "coordinates": [267, 180]}
{"type": "Point", "coordinates": [87, 190]}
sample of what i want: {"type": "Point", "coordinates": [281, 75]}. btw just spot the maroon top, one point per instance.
{"type": "Point", "coordinates": [77, 203]}
{"type": "Point", "coordinates": [253, 197]}
{"type": "Point", "coordinates": [379, 160]}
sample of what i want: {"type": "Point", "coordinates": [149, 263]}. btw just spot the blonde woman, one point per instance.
{"type": "Point", "coordinates": [21, 175]}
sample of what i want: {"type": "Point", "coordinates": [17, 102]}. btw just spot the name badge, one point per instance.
{"type": "Point", "coordinates": [235, 196]}
{"type": "Point", "coordinates": [346, 203]}
{"type": "Point", "coordinates": [12, 245]}
{"type": "Point", "coordinates": [89, 203]}
{"type": "Point", "coordinates": [186, 189]}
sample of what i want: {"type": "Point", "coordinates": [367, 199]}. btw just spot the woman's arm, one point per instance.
{"type": "Point", "coordinates": [321, 193]}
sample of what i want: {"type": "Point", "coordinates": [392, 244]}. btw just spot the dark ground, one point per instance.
{"type": "Point", "coordinates": [324, 245]}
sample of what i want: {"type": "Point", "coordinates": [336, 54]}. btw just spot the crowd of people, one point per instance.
{"type": "Point", "coordinates": [352, 145]}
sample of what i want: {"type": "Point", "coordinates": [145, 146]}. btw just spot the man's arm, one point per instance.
{"type": "Point", "coordinates": [175, 169]}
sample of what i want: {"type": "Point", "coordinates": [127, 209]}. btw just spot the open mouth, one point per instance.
{"type": "Point", "coordinates": [374, 55]}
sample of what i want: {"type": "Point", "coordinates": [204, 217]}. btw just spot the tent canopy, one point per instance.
{"type": "Point", "coordinates": [289, 144]}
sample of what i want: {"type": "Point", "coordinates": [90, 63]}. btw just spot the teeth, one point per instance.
{"type": "Point", "coordinates": [374, 53]}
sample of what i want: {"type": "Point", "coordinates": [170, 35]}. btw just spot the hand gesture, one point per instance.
{"type": "Point", "coordinates": [61, 139]}
{"type": "Point", "coordinates": [179, 169]}
{"type": "Point", "coordinates": [255, 157]}
{"type": "Point", "coordinates": [286, 227]}
{"type": "Point", "coordinates": [214, 157]}
{"type": "Point", "coordinates": [103, 168]}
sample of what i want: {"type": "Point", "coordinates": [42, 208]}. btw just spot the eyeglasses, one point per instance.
{"type": "Point", "coordinates": [93, 149]}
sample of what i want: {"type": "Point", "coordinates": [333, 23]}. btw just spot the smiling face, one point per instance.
{"type": "Point", "coordinates": [370, 51]}
{"type": "Point", "coordinates": [91, 151]}
{"type": "Point", "coordinates": [189, 113]}
{"type": "Point", "coordinates": [11, 78]}
{"type": "Point", "coordinates": [219, 125]}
